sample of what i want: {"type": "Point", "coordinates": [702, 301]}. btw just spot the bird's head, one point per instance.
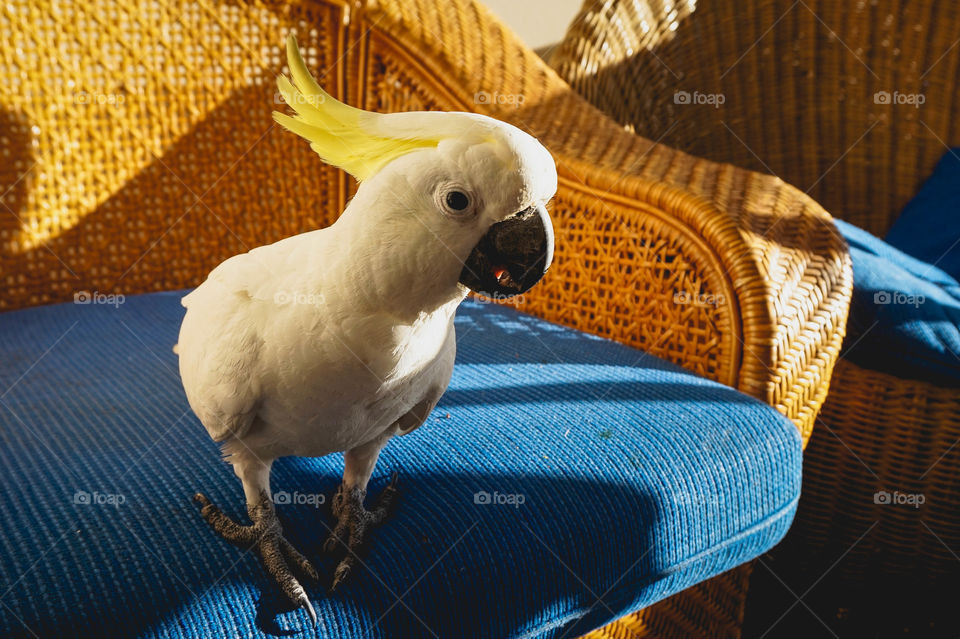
{"type": "Point", "coordinates": [473, 186]}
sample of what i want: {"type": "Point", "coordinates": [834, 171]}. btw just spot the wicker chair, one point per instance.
{"type": "Point", "coordinates": [135, 166]}
{"type": "Point", "coordinates": [808, 92]}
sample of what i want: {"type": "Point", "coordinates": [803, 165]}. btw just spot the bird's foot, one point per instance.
{"type": "Point", "coordinates": [354, 523]}
{"type": "Point", "coordinates": [279, 556]}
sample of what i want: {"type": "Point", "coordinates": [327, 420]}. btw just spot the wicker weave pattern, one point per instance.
{"type": "Point", "coordinates": [107, 155]}
{"type": "Point", "coordinates": [888, 434]}
{"type": "Point", "coordinates": [800, 80]}
{"type": "Point", "coordinates": [152, 194]}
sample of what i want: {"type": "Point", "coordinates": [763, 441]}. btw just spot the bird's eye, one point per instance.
{"type": "Point", "coordinates": [457, 200]}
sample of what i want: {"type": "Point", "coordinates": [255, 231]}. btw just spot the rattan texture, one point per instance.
{"type": "Point", "coordinates": [139, 152]}
{"type": "Point", "coordinates": [801, 83]}
{"type": "Point", "coordinates": [809, 92]}
{"type": "Point", "coordinates": [905, 432]}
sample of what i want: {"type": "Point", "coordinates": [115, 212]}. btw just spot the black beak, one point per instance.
{"type": "Point", "coordinates": [512, 256]}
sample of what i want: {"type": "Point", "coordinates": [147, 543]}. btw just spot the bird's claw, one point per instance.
{"type": "Point", "coordinates": [304, 602]}
{"type": "Point", "coordinates": [278, 555]}
{"type": "Point", "coordinates": [354, 523]}
{"type": "Point", "coordinates": [340, 575]}
{"type": "Point", "coordinates": [331, 544]}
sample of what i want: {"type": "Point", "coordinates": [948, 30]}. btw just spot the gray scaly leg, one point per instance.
{"type": "Point", "coordinates": [279, 557]}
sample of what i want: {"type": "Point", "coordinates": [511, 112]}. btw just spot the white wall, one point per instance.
{"type": "Point", "coordinates": [539, 23]}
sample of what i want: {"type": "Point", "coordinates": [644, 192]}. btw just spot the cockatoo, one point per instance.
{"type": "Point", "coordinates": [341, 338]}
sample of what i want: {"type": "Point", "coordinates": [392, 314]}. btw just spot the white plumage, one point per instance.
{"type": "Point", "coordinates": [339, 338]}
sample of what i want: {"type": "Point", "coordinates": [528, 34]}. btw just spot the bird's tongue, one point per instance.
{"type": "Point", "coordinates": [503, 277]}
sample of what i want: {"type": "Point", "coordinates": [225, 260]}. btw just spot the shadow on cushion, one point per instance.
{"type": "Point", "coordinates": [564, 480]}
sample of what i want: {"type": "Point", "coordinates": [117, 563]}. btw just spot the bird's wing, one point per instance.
{"type": "Point", "coordinates": [219, 347]}
{"type": "Point", "coordinates": [232, 391]}
{"type": "Point", "coordinates": [248, 275]}
{"type": "Point", "coordinates": [417, 415]}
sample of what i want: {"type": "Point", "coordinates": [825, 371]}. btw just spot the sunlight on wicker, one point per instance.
{"type": "Point", "coordinates": [106, 105]}
{"type": "Point", "coordinates": [732, 274]}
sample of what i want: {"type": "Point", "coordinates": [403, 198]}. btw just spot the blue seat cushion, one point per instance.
{"type": "Point", "coordinates": [563, 481]}
{"type": "Point", "coordinates": [904, 314]}
{"type": "Point", "coordinates": [928, 228]}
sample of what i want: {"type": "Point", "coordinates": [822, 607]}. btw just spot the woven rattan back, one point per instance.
{"type": "Point", "coordinates": [118, 117]}
{"type": "Point", "coordinates": [851, 101]}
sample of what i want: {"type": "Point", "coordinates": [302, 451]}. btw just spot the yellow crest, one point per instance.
{"type": "Point", "coordinates": [342, 135]}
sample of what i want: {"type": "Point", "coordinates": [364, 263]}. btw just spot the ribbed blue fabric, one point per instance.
{"type": "Point", "coordinates": [637, 480]}
{"type": "Point", "coordinates": [904, 313]}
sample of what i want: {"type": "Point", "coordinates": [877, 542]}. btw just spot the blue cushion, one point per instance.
{"type": "Point", "coordinates": [607, 480]}
{"type": "Point", "coordinates": [904, 315]}
{"type": "Point", "coordinates": [929, 226]}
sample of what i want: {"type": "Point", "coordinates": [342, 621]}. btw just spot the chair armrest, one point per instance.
{"type": "Point", "coordinates": [731, 273]}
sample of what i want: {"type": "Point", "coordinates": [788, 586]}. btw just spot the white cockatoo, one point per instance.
{"type": "Point", "coordinates": [340, 338]}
